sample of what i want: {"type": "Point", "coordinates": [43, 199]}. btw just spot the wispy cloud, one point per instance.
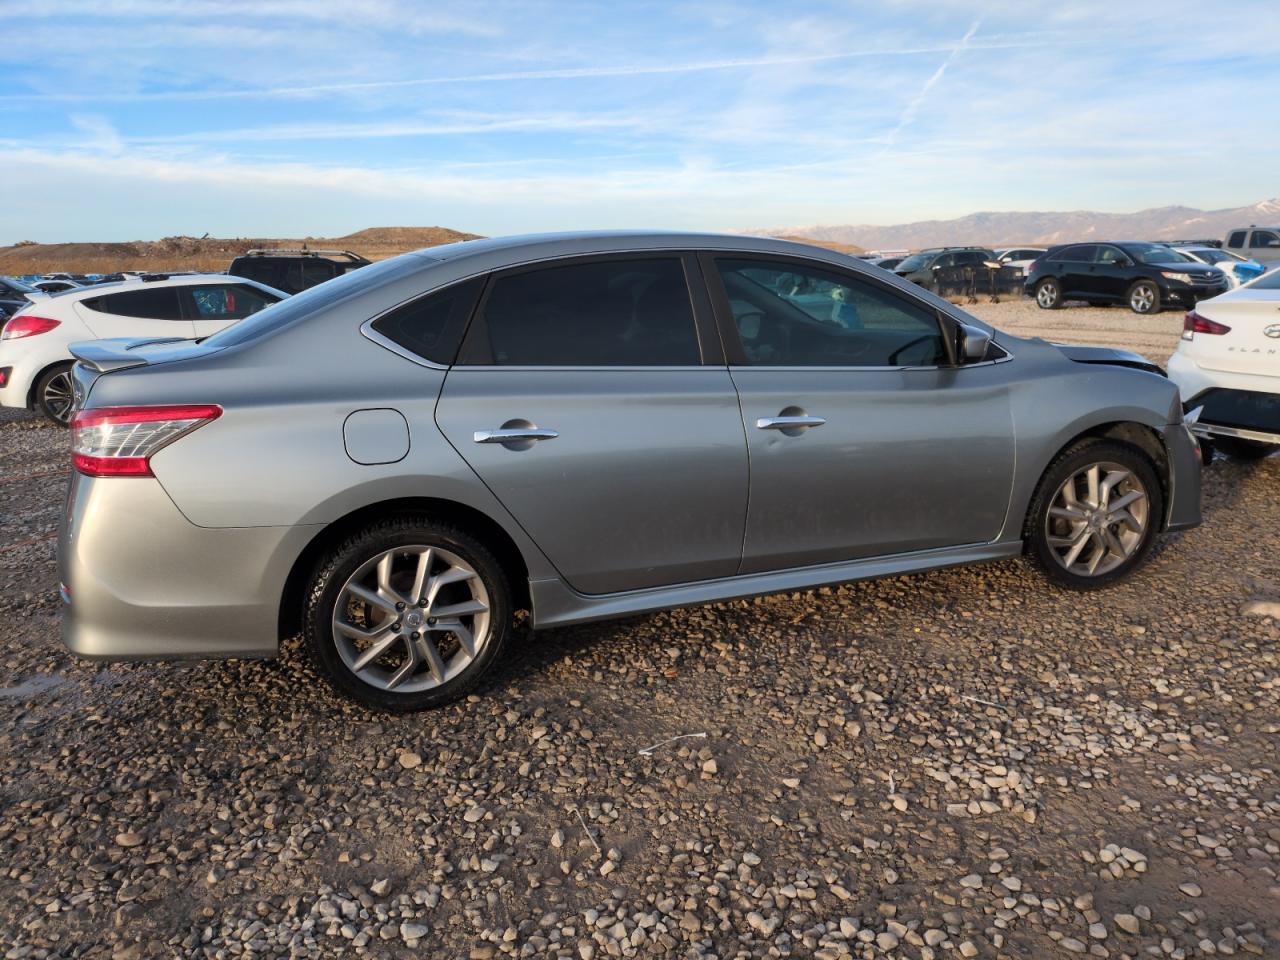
{"type": "Point", "coordinates": [916, 102]}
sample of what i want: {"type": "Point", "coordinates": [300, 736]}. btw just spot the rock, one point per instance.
{"type": "Point", "coordinates": [1097, 931]}
{"type": "Point", "coordinates": [1072, 945]}
{"type": "Point", "coordinates": [886, 940]}
{"type": "Point", "coordinates": [967, 949]}
{"type": "Point", "coordinates": [1190, 889]}
{"type": "Point", "coordinates": [380, 888]}
{"type": "Point", "coordinates": [129, 839]}
{"type": "Point", "coordinates": [408, 759]}
{"type": "Point", "coordinates": [710, 767]}
{"type": "Point", "coordinates": [1261, 608]}
{"type": "Point", "coordinates": [413, 931]}
{"type": "Point", "coordinates": [1126, 922]}
{"type": "Point", "coordinates": [474, 814]}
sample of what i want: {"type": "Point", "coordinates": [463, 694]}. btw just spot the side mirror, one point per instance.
{"type": "Point", "coordinates": [973, 342]}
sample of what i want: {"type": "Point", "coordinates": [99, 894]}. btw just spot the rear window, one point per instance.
{"type": "Point", "coordinates": [318, 298]}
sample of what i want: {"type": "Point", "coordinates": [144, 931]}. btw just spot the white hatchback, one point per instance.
{"type": "Point", "coordinates": [35, 362]}
{"type": "Point", "coordinates": [1227, 367]}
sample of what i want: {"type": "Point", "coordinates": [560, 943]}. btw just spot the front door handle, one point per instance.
{"type": "Point", "coordinates": [789, 423]}
{"type": "Point", "coordinates": [513, 435]}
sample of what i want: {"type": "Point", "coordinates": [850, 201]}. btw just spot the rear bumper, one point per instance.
{"type": "Point", "coordinates": [142, 582]}
{"type": "Point", "coordinates": [1230, 404]}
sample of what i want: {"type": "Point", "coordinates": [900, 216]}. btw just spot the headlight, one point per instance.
{"type": "Point", "coordinates": [1180, 277]}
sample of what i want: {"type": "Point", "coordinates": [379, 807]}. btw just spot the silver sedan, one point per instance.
{"type": "Point", "coordinates": [584, 426]}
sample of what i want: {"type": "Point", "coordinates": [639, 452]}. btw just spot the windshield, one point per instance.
{"type": "Point", "coordinates": [913, 262]}
{"type": "Point", "coordinates": [313, 300]}
{"type": "Point", "coordinates": [1210, 255]}
{"type": "Point", "coordinates": [18, 285]}
{"type": "Point", "coordinates": [1156, 253]}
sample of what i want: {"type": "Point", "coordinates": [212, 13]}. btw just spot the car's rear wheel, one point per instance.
{"type": "Point", "coordinates": [1240, 449]}
{"type": "Point", "coordinates": [407, 614]}
{"type": "Point", "coordinates": [54, 396]}
{"type": "Point", "coordinates": [1095, 514]}
{"type": "Point", "coordinates": [1048, 294]}
{"type": "Point", "coordinates": [1144, 297]}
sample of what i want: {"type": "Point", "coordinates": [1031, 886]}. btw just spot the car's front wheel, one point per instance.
{"type": "Point", "coordinates": [1095, 514]}
{"type": "Point", "coordinates": [54, 396]}
{"type": "Point", "coordinates": [1144, 297]}
{"type": "Point", "coordinates": [1048, 294]}
{"type": "Point", "coordinates": [407, 614]}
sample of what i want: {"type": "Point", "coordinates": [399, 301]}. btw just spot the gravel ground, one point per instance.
{"type": "Point", "coordinates": [966, 763]}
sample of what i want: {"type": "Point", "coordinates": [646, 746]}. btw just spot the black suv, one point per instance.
{"type": "Point", "coordinates": [1146, 276]}
{"type": "Point", "coordinates": [922, 267]}
{"type": "Point", "coordinates": [295, 270]}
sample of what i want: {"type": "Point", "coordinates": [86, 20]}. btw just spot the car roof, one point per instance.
{"type": "Point", "coordinates": [121, 286]}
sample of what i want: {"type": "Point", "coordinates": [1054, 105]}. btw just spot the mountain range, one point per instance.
{"type": "Point", "coordinates": [1043, 228]}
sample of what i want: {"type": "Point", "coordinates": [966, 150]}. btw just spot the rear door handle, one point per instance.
{"type": "Point", "coordinates": [788, 423]}
{"type": "Point", "coordinates": [513, 435]}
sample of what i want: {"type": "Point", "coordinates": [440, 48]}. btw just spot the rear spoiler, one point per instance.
{"type": "Point", "coordinates": [114, 354]}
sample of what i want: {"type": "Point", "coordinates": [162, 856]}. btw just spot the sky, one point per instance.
{"type": "Point", "coordinates": [136, 119]}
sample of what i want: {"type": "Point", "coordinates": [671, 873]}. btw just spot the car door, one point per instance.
{"type": "Point", "coordinates": [1110, 274]}
{"type": "Point", "coordinates": [1264, 245]}
{"type": "Point", "coordinates": [141, 312]}
{"type": "Point", "coordinates": [1075, 267]}
{"type": "Point", "coordinates": [864, 438]}
{"type": "Point", "coordinates": [593, 400]}
{"type": "Point", "coordinates": [214, 306]}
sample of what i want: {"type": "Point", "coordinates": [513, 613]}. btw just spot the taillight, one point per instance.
{"type": "Point", "coordinates": [27, 325]}
{"type": "Point", "coordinates": [1031, 266]}
{"type": "Point", "coordinates": [1193, 323]}
{"type": "Point", "coordinates": [120, 441]}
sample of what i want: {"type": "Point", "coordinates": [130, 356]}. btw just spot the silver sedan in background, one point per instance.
{"type": "Point", "coordinates": [584, 426]}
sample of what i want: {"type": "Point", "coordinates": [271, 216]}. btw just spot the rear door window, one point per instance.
{"type": "Point", "coordinates": [1236, 239]}
{"type": "Point", "coordinates": [616, 312]}
{"type": "Point", "coordinates": [160, 303]}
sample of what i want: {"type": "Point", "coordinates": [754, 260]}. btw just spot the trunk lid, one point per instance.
{"type": "Point", "coordinates": [98, 358]}
{"type": "Point", "coordinates": [1252, 345]}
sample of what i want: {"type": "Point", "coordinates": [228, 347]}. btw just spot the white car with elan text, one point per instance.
{"type": "Point", "coordinates": [1227, 367]}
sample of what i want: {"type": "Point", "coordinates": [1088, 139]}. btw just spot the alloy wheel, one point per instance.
{"type": "Point", "coordinates": [1098, 519]}
{"type": "Point", "coordinates": [1143, 298]}
{"type": "Point", "coordinates": [1047, 295]}
{"type": "Point", "coordinates": [411, 619]}
{"type": "Point", "coordinates": [58, 397]}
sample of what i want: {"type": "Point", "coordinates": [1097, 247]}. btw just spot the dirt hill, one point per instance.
{"type": "Point", "coordinates": [215, 254]}
{"type": "Point", "coordinates": [207, 253]}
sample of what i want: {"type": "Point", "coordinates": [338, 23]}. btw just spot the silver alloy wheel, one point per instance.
{"type": "Point", "coordinates": [1047, 295]}
{"type": "Point", "coordinates": [411, 619]}
{"type": "Point", "coordinates": [1142, 298]}
{"type": "Point", "coordinates": [1097, 519]}
{"type": "Point", "coordinates": [58, 397]}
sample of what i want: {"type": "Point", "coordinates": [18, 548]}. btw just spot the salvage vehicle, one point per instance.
{"type": "Point", "coordinates": [1227, 367]}
{"type": "Point", "coordinates": [35, 362]}
{"type": "Point", "coordinates": [584, 426]}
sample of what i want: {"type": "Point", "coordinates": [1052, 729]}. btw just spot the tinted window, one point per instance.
{"type": "Point", "coordinates": [971, 256]}
{"type": "Point", "coordinates": [1110, 255]}
{"type": "Point", "coordinates": [1080, 253]}
{"type": "Point", "coordinates": [1236, 239]}
{"type": "Point", "coordinates": [160, 303]}
{"type": "Point", "coordinates": [431, 326]}
{"type": "Point", "coordinates": [789, 314]}
{"type": "Point", "coordinates": [1155, 253]}
{"type": "Point", "coordinates": [604, 313]}
{"type": "Point", "coordinates": [913, 262]}
{"type": "Point", "coordinates": [232, 301]}
{"type": "Point", "coordinates": [1264, 238]}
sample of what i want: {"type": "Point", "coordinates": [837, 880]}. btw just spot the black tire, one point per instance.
{"type": "Point", "coordinates": [53, 394]}
{"type": "Point", "coordinates": [1143, 297]}
{"type": "Point", "coordinates": [1238, 448]}
{"type": "Point", "coordinates": [341, 563]}
{"type": "Point", "coordinates": [1048, 294]}
{"type": "Point", "coordinates": [1069, 463]}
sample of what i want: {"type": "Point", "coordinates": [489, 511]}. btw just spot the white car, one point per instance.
{"type": "Point", "coordinates": [35, 362]}
{"type": "Point", "coordinates": [1227, 367]}
{"type": "Point", "coordinates": [1239, 270]}
{"type": "Point", "coordinates": [1020, 257]}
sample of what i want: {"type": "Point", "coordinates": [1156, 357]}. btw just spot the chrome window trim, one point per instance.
{"type": "Point", "coordinates": [387, 343]}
